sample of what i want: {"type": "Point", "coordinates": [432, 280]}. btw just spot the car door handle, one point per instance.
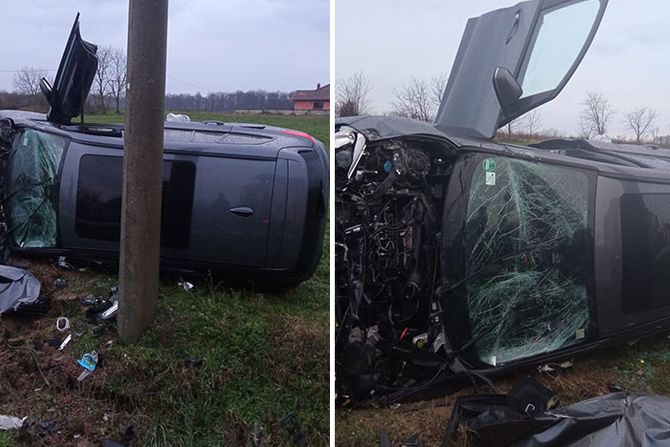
{"type": "Point", "coordinates": [243, 211]}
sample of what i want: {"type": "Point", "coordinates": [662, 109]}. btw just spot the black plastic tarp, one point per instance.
{"type": "Point", "coordinates": [615, 420]}
{"type": "Point", "coordinates": [17, 288]}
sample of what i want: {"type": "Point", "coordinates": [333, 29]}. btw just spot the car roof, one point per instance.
{"type": "Point", "coordinates": [179, 135]}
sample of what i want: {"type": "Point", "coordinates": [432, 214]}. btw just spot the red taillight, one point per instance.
{"type": "Point", "coordinates": [297, 133]}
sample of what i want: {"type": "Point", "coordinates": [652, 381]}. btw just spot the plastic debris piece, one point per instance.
{"type": "Point", "coordinates": [110, 312]}
{"type": "Point", "coordinates": [412, 441]}
{"type": "Point", "coordinates": [89, 300]}
{"type": "Point", "coordinates": [551, 367]}
{"type": "Point", "coordinates": [36, 428]}
{"type": "Point", "coordinates": [10, 422]}
{"type": "Point", "coordinates": [65, 342]}
{"type": "Point", "coordinates": [60, 283]}
{"type": "Point", "coordinates": [257, 434]}
{"type": "Point", "coordinates": [89, 361]}
{"type": "Point", "coordinates": [185, 285]}
{"type": "Point", "coordinates": [62, 324]}
{"type": "Point", "coordinates": [62, 262]}
{"type": "Point", "coordinates": [84, 374]}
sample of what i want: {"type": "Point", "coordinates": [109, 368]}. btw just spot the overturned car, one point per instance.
{"type": "Point", "coordinates": [459, 258]}
{"type": "Point", "coordinates": [242, 198]}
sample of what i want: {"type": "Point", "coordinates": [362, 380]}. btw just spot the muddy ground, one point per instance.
{"type": "Point", "coordinates": [37, 380]}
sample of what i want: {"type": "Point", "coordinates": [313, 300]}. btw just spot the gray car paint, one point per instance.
{"type": "Point", "coordinates": [269, 177]}
{"type": "Point", "coordinates": [501, 38]}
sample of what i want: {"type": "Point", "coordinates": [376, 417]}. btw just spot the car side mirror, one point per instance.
{"type": "Point", "coordinates": [507, 88]}
{"type": "Point", "coordinates": [46, 88]}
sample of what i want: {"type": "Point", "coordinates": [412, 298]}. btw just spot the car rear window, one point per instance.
{"type": "Point", "coordinates": [645, 228]}
{"type": "Point", "coordinates": [99, 189]}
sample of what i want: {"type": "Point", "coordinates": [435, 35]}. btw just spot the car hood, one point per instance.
{"type": "Point", "coordinates": [377, 128]}
{"type": "Point", "coordinates": [73, 80]}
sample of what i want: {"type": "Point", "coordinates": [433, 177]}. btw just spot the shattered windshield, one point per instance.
{"type": "Point", "coordinates": [526, 250]}
{"type": "Point", "coordinates": [33, 192]}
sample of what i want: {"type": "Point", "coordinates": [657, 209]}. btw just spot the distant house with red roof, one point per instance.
{"type": "Point", "coordinates": [312, 101]}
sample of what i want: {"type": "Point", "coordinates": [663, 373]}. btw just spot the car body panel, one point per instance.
{"type": "Point", "coordinates": [526, 39]}
{"type": "Point", "coordinates": [244, 198]}
{"type": "Point", "coordinates": [73, 79]}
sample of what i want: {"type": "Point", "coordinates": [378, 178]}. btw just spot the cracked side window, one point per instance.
{"type": "Point", "coordinates": [32, 198]}
{"type": "Point", "coordinates": [527, 245]}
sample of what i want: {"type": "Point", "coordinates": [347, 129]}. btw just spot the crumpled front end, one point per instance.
{"type": "Point", "coordinates": [389, 202]}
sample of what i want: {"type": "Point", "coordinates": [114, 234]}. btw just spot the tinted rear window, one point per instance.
{"type": "Point", "coordinates": [99, 200]}
{"type": "Point", "coordinates": [645, 226]}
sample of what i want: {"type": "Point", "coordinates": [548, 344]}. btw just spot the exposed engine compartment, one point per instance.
{"type": "Point", "coordinates": [388, 211]}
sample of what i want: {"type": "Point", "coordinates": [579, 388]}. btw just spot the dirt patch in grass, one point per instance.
{"type": "Point", "coordinates": [39, 381]}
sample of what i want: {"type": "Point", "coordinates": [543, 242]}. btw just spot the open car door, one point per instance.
{"type": "Point", "coordinates": [513, 60]}
{"type": "Point", "coordinates": [73, 80]}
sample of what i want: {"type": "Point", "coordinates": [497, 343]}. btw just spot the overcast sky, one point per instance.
{"type": "Point", "coordinates": [213, 45]}
{"type": "Point", "coordinates": [391, 41]}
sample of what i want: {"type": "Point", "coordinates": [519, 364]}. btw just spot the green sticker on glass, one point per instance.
{"type": "Point", "coordinates": [489, 165]}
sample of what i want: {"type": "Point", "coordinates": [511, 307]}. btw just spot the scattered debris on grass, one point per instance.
{"type": "Point", "coordinates": [216, 361]}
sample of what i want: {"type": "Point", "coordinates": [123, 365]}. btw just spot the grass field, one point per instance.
{"type": "Point", "coordinates": [219, 366]}
{"type": "Point", "coordinates": [317, 126]}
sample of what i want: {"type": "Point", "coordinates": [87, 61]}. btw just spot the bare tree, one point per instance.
{"type": "Point", "coordinates": [584, 128]}
{"type": "Point", "coordinates": [27, 80]}
{"type": "Point", "coordinates": [640, 121]}
{"type": "Point", "coordinates": [414, 100]}
{"type": "Point", "coordinates": [353, 95]}
{"type": "Point", "coordinates": [551, 133]}
{"type": "Point", "coordinates": [438, 85]}
{"type": "Point", "coordinates": [531, 121]}
{"type": "Point", "coordinates": [118, 76]}
{"type": "Point", "coordinates": [595, 116]}
{"type": "Point", "coordinates": [101, 80]}
{"type": "Point", "coordinates": [509, 128]}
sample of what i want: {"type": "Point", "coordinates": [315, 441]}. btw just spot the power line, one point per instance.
{"type": "Point", "coordinates": [190, 85]}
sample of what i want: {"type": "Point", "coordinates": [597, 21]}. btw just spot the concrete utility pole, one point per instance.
{"type": "Point", "coordinates": [142, 168]}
